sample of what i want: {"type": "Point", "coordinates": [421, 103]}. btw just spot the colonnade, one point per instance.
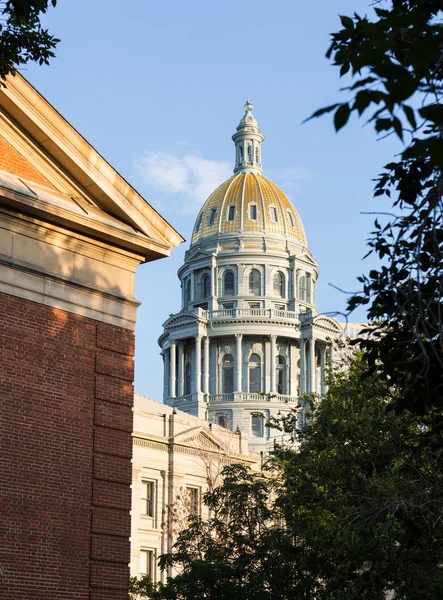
{"type": "Point", "coordinates": [174, 366]}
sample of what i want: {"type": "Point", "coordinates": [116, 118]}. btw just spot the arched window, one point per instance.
{"type": "Point", "coordinates": [206, 286]}
{"type": "Point", "coordinates": [240, 152]}
{"type": "Point", "coordinates": [255, 282]}
{"type": "Point", "coordinates": [228, 283]}
{"type": "Point", "coordinates": [228, 374]}
{"type": "Point", "coordinates": [302, 288]}
{"type": "Point", "coordinates": [187, 377]}
{"type": "Point", "coordinates": [281, 375]}
{"type": "Point", "coordinates": [279, 285]}
{"type": "Point", "coordinates": [249, 153]}
{"type": "Point", "coordinates": [257, 425]}
{"type": "Point", "coordinates": [254, 367]}
{"type": "Point", "coordinates": [188, 291]}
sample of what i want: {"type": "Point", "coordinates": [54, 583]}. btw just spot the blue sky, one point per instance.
{"type": "Point", "coordinates": [158, 88]}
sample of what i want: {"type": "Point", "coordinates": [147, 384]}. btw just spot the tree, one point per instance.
{"type": "Point", "coordinates": [353, 514]}
{"type": "Point", "coordinates": [22, 37]}
{"type": "Point", "coordinates": [364, 494]}
{"type": "Point", "coordinates": [396, 63]}
{"type": "Point", "coordinates": [242, 551]}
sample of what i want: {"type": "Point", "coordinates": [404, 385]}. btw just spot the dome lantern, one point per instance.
{"type": "Point", "coordinates": [248, 140]}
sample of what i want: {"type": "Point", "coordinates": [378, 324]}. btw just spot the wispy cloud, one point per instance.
{"type": "Point", "coordinates": [185, 180]}
{"type": "Point", "coordinates": [293, 178]}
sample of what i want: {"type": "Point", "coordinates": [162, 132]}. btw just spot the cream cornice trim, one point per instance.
{"type": "Point", "coordinates": [74, 153]}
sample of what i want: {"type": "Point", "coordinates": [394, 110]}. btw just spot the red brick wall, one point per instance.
{"type": "Point", "coordinates": [65, 454]}
{"type": "Point", "coordinates": [12, 161]}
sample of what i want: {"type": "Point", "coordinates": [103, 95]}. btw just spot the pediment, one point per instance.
{"type": "Point", "coordinates": [50, 171]}
{"type": "Point", "coordinates": [185, 317]}
{"type": "Point", "coordinates": [327, 323]}
{"type": "Point", "coordinates": [200, 439]}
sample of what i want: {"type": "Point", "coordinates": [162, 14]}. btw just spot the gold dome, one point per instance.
{"type": "Point", "coordinates": [273, 212]}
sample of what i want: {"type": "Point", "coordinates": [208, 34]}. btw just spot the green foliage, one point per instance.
{"type": "Point", "coordinates": [141, 587]}
{"type": "Point", "coordinates": [354, 513]}
{"type": "Point", "coordinates": [395, 61]}
{"type": "Point", "coordinates": [22, 38]}
{"type": "Point", "coordinates": [364, 496]}
{"type": "Point", "coordinates": [242, 551]}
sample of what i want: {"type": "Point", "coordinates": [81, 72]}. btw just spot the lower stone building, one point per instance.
{"type": "Point", "coordinates": [177, 457]}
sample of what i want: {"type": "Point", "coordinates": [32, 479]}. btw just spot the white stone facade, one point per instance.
{"type": "Point", "coordinates": [176, 458]}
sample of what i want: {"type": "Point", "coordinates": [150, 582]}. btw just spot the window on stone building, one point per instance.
{"type": "Point", "coordinates": [147, 563]}
{"type": "Point", "coordinates": [281, 375]}
{"type": "Point", "coordinates": [192, 501]}
{"type": "Point", "coordinates": [291, 218]}
{"type": "Point", "coordinates": [228, 283]}
{"type": "Point", "coordinates": [206, 286]}
{"type": "Point", "coordinates": [231, 212]}
{"type": "Point", "coordinates": [257, 425]}
{"type": "Point", "coordinates": [188, 291]}
{"type": "Point", "coordinates": [279, 284]}
{"type": "Point", "coordinates": [302, 288]}
{"type": "Point", "coordinates": [148, 498]}
{"type": "Point", "coordinates": [222, 421]}
{"type": "Point", "coordinates": [254, 367]}
{"type": "Point", "coordinates": [255, 282]}
{"type": "Point", "coordinates": [228, 374]}
{"type": "Point", "coordinates": [187, 385]}
{"type": "Point", "coordinates": [274, 214]}
{"type": "Point", "coordinates": [199, 222]}
{"type": "Point", "coordinates": [253, 212]}
{"type": "Point", "coordinates": [211, 218]}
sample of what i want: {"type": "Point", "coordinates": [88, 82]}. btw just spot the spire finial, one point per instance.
{"type": "Point", "coordinates": [248, 139]}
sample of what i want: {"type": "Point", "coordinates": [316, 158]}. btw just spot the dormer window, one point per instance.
{"type": "Point", "coordinates": [274, 214]}
{"type": "Point", "coordinates": [231, 212]}
{"type": "Point", "coordinates": [291, 218]}
{"type": "Point", "coordinates": [212, 217]}
{"type": "Point", "coordinates": [199, 222]}
{"type": "Point", "coordinates": [253, 212]}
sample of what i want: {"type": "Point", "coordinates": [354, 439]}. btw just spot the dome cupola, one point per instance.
{"type": "Point", "coordinates": [248, 140]}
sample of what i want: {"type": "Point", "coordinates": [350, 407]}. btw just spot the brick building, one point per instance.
{"type": "Point", "coordinates": [72, 233]}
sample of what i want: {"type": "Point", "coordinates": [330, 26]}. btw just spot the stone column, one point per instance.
{"type": "Point", "coordinates": [181, 369]}
{"type": "Point", "coordinates": [302, 366]}
{"type": "Point", "coordinates": [238, 362]}
{"type": "Point", "coordinates": [273, 340]}
{"type": "Point", "coordinates": [198, 363]}
{"type": "Point", "coordinates": [165, 374]}
{"type": "Point", "coordinates": [323, 370]}
{"type": "Point", "coordinates": [206, 366]}
{"type": "Point", "coordinates": [192, 299]}
{"type": "Point", "coordinates": [312, 365]}
{"type": "Point", "coordinates": [172, 372]}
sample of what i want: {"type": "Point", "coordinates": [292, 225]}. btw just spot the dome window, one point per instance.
{"type": "Point", "coordinates": [206, 285]}
{"type": "Point", "coordinates": [228, 374]}
{"type": "Point", "coordinates": [211, 218]}
{"type": "Point", "coordinates": [199, 222]}
{"type": "Point", "coordinates": [231, 212]}
{"type": "Point", "coordinates": [279, 285]}
{"type": "Point", "coordinates": [291, 219]}
{"type": "Point", "coordinates": [274, 214]}
{"type": "Point", "coordinates": [255, 282]}
{"type": "Point", "coordinates": [228, 283]}
{"type": "Point", "coordinates": [281, 375]}
{"type": "Point", "coordinates": [253, 212]}
{"type": "Point", "coordinates": [254, 374]}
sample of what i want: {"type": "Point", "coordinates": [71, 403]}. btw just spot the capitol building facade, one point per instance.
{"type": "Point", "coordinates": [247, 342]}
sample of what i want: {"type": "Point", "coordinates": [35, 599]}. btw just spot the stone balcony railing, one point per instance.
{"type": "Point", "coordinates": [255, 313]}
{"type": "Point", "coordinates": [234, 397]}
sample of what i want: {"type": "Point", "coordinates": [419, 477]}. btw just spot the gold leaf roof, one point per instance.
{"type": "Point", "coordinates": [274, 212]}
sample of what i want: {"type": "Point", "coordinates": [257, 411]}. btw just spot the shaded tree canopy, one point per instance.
{"type": "Point", "coordinates": [395, 60]}
{"type": "Point", "coordinates": [22, 37]}
{"type": "Point", "coordinates": [355, 513]}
